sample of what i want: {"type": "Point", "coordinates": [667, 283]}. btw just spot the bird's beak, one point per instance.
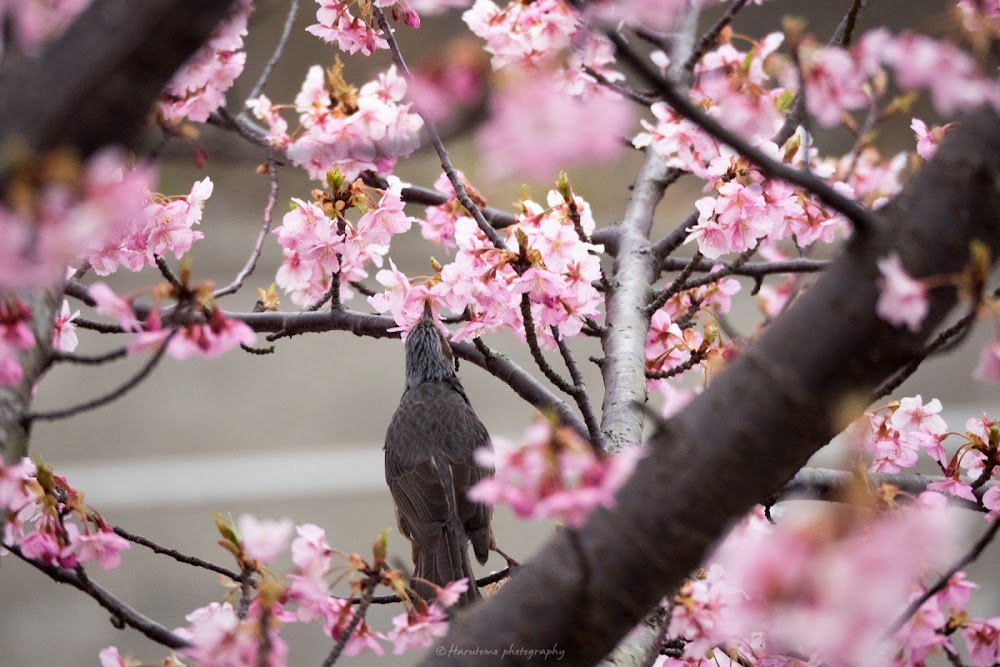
{"type": "Point", "coordinates": [428, 316]}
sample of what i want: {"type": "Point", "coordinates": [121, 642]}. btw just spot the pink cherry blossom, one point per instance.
{"type": "Point", "coordinates": [64, 336]}
{"type": "Point", "coordinates": [110, 657]}
{"type": "Point", "coordinates": [111, 305]}
{"type": "Point", "coordinates": [913, 414]}
{"type": "Point", "coordinates": [927, 138]}
{"type": "Point", "coordinates": [991, 501]}
{"type": "Point", "coordinates": [988, 368]}
{"type": "Point", "coordinates": [982, 636]}
{"type": "Point", "coordinates": [102, 545]}
{"type": "Point", "coordinates": [310, 551]}
{"type": "Point", "coordinates": [553, 473]}
{"type": "Point", "coordinates": [522, 35]}
{"type": "Point", "coordinates": [199, 87]}
{"type": "Point", "coordinates": [535, 128]}
{"type": "Point", "coordinates": [211, 340]}
{"type": "Point", "coordinates": [380, 224]}
{"type": "Point", "coordinates": [337, 616]}
{"type": "Point", "coordinates": [263, 539]}
{"type": "Point", "coordinates": [34, 22]}
{"type": "Point", "coordinates": [336, 24]}
{"type": "Point", "coordinates": [15, 487]}
{"type": "Point", "coordinates": [902, 300]}
{"type": "Point", "coordinates": [412, 630]}
{"type": "Point", "coordinates": [834, 84]}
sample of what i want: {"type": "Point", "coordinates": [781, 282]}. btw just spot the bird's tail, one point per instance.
{"type": "Point", "coordinates": [447, 562]}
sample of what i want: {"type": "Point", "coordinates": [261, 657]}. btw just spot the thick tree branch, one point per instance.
{"type": "Point", "coordinates": [634, 271]}
{"type": "Point", "coordinates": [738, 442]}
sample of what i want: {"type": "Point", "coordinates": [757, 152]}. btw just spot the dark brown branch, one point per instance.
{"type": "Point", "coordinates": [173, 553]}
{"type": "Point", "coordinates": [167, 273]}
{"type": "Point", "coordinates": [122, 613]}
{"type": "Point", "coordinates": [536, 350]}
{"type": "Point", "coordinates": [708, 40]}
{"type": "Point", "coordinates": [580, 392]}
{"type": "Point", "coordinates": [675, 287]}
{"type": "Point", "coordinates": [753, 269]}
{"type": "Point", "coordinates": [95, 360]}
{"type": "Point", "coordinates": [111, 396]}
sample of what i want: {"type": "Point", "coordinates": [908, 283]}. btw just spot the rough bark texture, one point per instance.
{"type": "Point", "coordinates": [92, 87]}
{"type": "Point", "coordinates": [752, 429]}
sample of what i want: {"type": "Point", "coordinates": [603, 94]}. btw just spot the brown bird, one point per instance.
{"type": "Point", "coordinates": [430, 465]}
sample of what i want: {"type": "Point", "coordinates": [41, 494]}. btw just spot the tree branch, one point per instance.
{"type": "Point", "coordinates": [736, 444]}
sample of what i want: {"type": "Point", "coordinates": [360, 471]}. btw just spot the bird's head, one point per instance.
{"type": "Point", "coordinates": [428, 354]}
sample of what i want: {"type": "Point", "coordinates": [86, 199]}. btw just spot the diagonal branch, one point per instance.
{"type": "Point", "coordinates": [756, 424]}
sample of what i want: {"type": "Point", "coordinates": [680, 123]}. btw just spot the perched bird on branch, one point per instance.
{"type": "Point", "coordinates": [430, 465]}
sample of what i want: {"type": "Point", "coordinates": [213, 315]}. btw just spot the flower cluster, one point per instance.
{"type": "Point", "coordinates": [553, 472]}
{"type": "Point", "coordinates": [200, 86]}
{"type": "Point", "coordinates": [57, 210]}
{"type": "Point", "coordinates": [220, 638]}
{"type": "Point", "coordinates": [895, 436]}
{"type": "Point", "coordinates": [165, 224]}
{"type": "Point", "coordinates": [523, 34]}
{"type": "Point", "coordinates": [823, 586]}
{"type": "Point", "coordinates": [319, 244]}
{"type": "Point", "coordinates": [46, 520]}
{"type": "Point", "coordinates": [546, 259]}
{"type": "Point", "coordinates": [336, 24]}
{"type": "Point", "coordinates": [15, 337]}
{"type": "Point", "coordinates": [343, 128]}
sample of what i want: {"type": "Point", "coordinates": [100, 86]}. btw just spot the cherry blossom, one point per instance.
{"type": "Point", "coordinates": [532, 112]}
{"type": "Point", "coordinates": [553, 472]}
{"type": "Point", "coordinates": [522, 35]}
{"type": "Point", "coordinates": [413, 630]}
{"type": "Point", "coordinates": [834, 84]}
{"type": "Point", "coordinates": [378, 225]}
{"type": "Point", "coordinates": [927, 138]}
{"type": "Point", "coordinates": [983, 638]}
{"type": "Point", "coordinates": [988, 368]}
{"type": "Point", "coordinates": [102, 545]}
{"type": "Point", "coordinates": [902, 300]}
{"type": "Point", "coordinates": [263, 539]}
{"type": "Point", "coordinates": [110, 304]}
{"type": "Point", "coordinates": [15, 337]}
{"type": "Point", "coordinates": [336, 24]}
{"type": "Point", "coordinates": [110, 657]}
{"type": "Point", "coordinates": [64, 336]}
{"type": "Point", "coordinates": [199, 87]}
{"type": "Point", "coordinates": [352, 130]}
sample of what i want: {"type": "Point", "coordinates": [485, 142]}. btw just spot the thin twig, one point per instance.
{"type": "Point", "coordinates": [123, 614]}
{"type": "Point", "coordinates": [708, 40]}
{"type": "Point", "coordinates": [168, 274]}
{"type": "Point", "coordinates": [939, 585]}
{"type": "Point", "coordinates": [265, 74]}
{"type": "Point", "coordinates": [675, 287]}
{"type": "Point", "coordinates": [861, 218]}
{"type": "Point", "coordinates": [173, 553]}
{"type": "Point", "coordinates": [251, 263]}
{"type": "Point", "coordinates": [359, 615]}
{"type": "Point", "coordinates": [755, 269]}
{"type": "Point", "coordinates": [580, 393]}
{"type": "Point", "coordinates": [726, 270]}
{"type": "Point", "coordinates": [620, 88]}
{"type": "Point", "coordinates": [460, 192]}
{"type": "Point", "coordinates": [958, 330]}
{"type": "Point", "coordinates": [696, 358]}
{"type": "Point", "coordinates": [110, 396]}
{"type": "Point", "coordinates": [536, 351]}
{"type": "Point", "coordinates": [83, 360]}
{"type": "Point", "coordinates": [264, 637]}
{"type": "Point", "coordinates": [499, 575]}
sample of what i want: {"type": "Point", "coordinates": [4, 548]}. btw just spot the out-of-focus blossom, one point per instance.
{"type": "Point", "coordinates": [902, 300]}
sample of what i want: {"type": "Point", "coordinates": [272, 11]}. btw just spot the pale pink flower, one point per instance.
{"type": "Point", "coordinates": [387, 219]}
{"type": "Point", "coordinates": [211, 340]}
{"type": "Point", "coordinates": [111, 305]}
{"type": "Point", "coordinates": [914, 415]}
{"type": "Point", "coordinates": [34, 22]}
{"type": "Point", "coordinates": [535, 128]}
{"type": "Point", "coordinates": [110, 657]}
{"type": "Point", "coordinates": [64, 336]}
{"type": "Point", "coordinates": [991, 501]}
{"type": "Point", "coordinates": [103, 545]}
{"type": "Point", "coordinates": [927, 138]}
{"type": "Point", "coordinates": [452, 592]}
{"type": "Point", "coordinates": [198, 88]}
{"type": "Point", "coordinates": [337, 616]}
{"type": "Point", "coordinates": [954, 487]}
{"type": "Point", "coordinates": [982, 635]}
{"type": "Point", "coordinates": [336, 24]}
{"type": "Point", "coordinates": [834, 84]}
{"type": "Point", "coordinates": [902, 300]}
{"type": "Point", "coordinates": [263, 539]}
{"type": "Point", "coordinates": [988, 368]}
{"type": "Point", "coordinates": [15, 492]}
{"type": "Point", "coordinates": [310, 551]}
{"type": "Point", "coordinates": [412, 630]}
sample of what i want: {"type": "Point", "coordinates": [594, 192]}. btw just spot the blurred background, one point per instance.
{"type": "Point", "coordinates": [299, 433]}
